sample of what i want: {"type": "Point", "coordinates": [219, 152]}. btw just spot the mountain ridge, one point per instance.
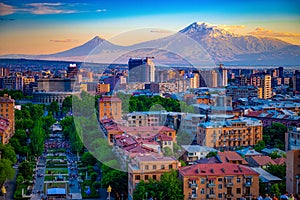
{"type": "Point", "coordinates": [219, 44]}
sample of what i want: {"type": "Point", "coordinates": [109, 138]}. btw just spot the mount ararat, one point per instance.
{"type": "Point", "coordinates": [197, 44]}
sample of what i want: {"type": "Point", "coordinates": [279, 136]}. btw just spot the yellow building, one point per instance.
{"type": "Point", "coordinates": [219, 181]}
{"type": "Point", "coordinates": [103, 88]}
{"type": "Point", "coordinates": [230, 134]}
{"type": "Point", "coordinates": [267, 87]}
{"type": "Point", "coordinates": [110, 108]}
{"type": "Point", "coordinates": [148, 167]}
{"type": "Point", "coordinates": [7, 111]}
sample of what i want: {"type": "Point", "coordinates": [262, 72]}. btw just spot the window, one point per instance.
{"type": "Point", "coordinates": [220, 186]}
{"type": "Point", "coordinates": [146, 167]}
{"type": "Point", "coordinates": [220, 179]}
{"type": "Point", "coordinates": [238, 190]}
{"type": "Point", "coordinates": [220, 195]}
{"type": "Point", "coordinates": [162, 167]}
{"type": "Point", "coordinates": [202, 181]}
{"type": "Point", "coordinates": [137, 177]}
{"type": "Point", "coordinates": [154, 166]}
{"type": "Point", "coordinates": [146, 177]}
{"type": "Point", "coordinates": [154, 177]}
{"type": "Point", "coordinates": [202, 191]}
{"type": "Point", "coordinates": [170, 166]}
{"type": "Point", "coordinates": [238, 180]}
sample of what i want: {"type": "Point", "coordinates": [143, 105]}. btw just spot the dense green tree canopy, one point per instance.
{"type": "Point", "coordinates": [274, 135]}
{"type": "Point", "coordinates": [169, 187]}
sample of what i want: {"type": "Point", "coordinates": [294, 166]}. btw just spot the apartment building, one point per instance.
{"type": "Point", "coordinates": [147, 167]}
{"type": "Point", "coordinates": [219, 181]}
{"type": "Point", "coordinates": [229, 134]}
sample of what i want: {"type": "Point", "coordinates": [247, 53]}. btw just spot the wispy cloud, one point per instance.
{"type": "Point", "coordinates": [64, 40]}
{"type": "Point", "coordinates": [101, 10]}
{"type": "Point", "coordinates": [259, 31]}
{"type": "Point", "coordinates": [48, 8]}
{"type": "Point", "coordinates": [160, 31]}
{"type": "Point", "coordinates": [6, 9]}
{"type": "Point", "coordinates": [227, 27]}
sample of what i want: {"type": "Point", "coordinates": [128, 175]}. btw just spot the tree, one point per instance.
{"type": "Point", "coordinates": [115, 179]}
{"type": "Point", "coordinates": [212, 154]}
{"type": "Point", "coordinates": [19, 180]}
{"type": "Point", "coordinates": [88, 159]}
{"type": "Point", "coordinates": [94, 176]}
{"type": "Point", "coordinates": [277, 170]}
{"type": "Point", "coordinates": [169, 187]}
{"type": "Point", "coordinates": [53, 107]}
{"type": "Point", "coordinates": [274, 135]}
{"type": "Point", "coordinates": [260, 145]}
{"type": "Point", "coordinates": [97, 185]}
{"type": "Point", "coordinates": [167, 151]}
{"type": "Point", "coordinates": [37, 138]}
{"type": "Point", "coordinates": [6, 170]}
{"type": "Point", "coordinates": [7, 152]}
{"type": "Point", "coordinates": [67, 104]}
{"type": "Point", "coordinates": [26, 170]}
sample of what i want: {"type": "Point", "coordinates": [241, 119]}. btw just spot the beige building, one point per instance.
{"type": "Point", "coordinates": [148, 167]}
{"type": "Point", "coordinates": [229, 134]}
{"type": "Point", "coordinates": [219, 181]}
{"type": "Point", "coordinates": [110, 108]}
{"type": "Point", "coordinates": [7, 111]}
{"type": "Point", "coordinates": [293, 171]}
{"type": "Point", "coordinates": [103, 88]}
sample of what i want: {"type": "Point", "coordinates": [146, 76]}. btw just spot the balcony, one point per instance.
{"type": "Point", "coordinates": [211, 185]}
{"type": "Point", "coordinates": [248, 184]}
{"type": "Point", "coordinates": [193, 185]}
{"type": "Point", "coordinates": [211, 196]}
{"type": "Point", "coordinates": [248, 195]}
{"type": "Point", "coordinates": [194, 196]}
{"type": "Point", "coordinates": [229, 184]}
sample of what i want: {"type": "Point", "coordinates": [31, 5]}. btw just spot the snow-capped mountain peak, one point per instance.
{"type": "Point", "coordinates": [204, 29]}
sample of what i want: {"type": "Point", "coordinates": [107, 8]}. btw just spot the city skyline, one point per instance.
{"type": "Point", "coordinates": [43, 27]}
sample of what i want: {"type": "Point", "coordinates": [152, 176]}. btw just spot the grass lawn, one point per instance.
{"type": "Point", "coordinates": [57, 171]}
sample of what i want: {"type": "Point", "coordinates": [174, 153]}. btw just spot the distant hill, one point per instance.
{"type": "Point", "coordinates": [197, 44]}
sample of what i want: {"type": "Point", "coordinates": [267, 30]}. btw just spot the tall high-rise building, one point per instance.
{"type": "Point", "coordinates": [195, 81]}
{"type": "Point", "coordinates": [266, 87]}
{"type": "Point", "coordinates": [141, 70]}
{"type": "Point", "coordinates": [222, 76]}
{"type": "Point", "coordinates": [296, 81]}
{"type": "Point", "coordinates": [209, 78]}
{"type": "Point", "coordinates": [72, 71]}
{"type": "Point", "coordinates": [264, 84]}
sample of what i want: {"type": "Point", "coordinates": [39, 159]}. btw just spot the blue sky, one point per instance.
{"type": "Point", "coordinates": [70, 23]}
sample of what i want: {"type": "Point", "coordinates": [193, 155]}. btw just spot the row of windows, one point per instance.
{"type": "Point", "coordinates": [1, 110]}
{"type": "Point", "coordinates": [229, 180]}
{"type": "Point", "coordinates": [2, 105]}
{"type": "Point", "coordinates": [147, 177]}
{"type": "Point", "coordinates": [155, 167]}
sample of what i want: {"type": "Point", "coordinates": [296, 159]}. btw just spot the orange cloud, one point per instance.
{"type": "Point", "coordinates": [65, 40]}
{"type": "Point", "coordinates": [232, 26]}
{"type": "Point", "coordinates": [6, 9]}
{"type": "Point", "coordinates": [269, 33]}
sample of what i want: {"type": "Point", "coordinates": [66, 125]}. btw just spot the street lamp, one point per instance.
{"type": "Point", "coordinates": [146, 195]}
{"type": "Point", "coordinates": [109, 191]}
{"type": "Point", "coordinates": [297, 183]}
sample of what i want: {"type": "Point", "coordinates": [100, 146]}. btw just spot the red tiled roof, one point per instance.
{"type": "Point", "coordinates": [156, 129]}
{"type": "Point", "coordinates": [263, 160]}
{"type": "Point", "coordinates": [216, 169]}
{"type": "Point", "coordinates": [229, 156]}
{"type": "Point", "coordinates": [280, 161]}
{"type": "Point", "coordinates": [253, 114]}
